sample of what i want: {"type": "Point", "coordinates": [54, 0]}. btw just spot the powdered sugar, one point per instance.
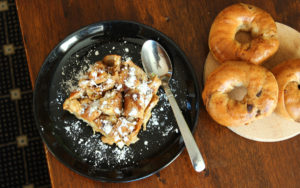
{"type": "Point", "coordinates": [130, 81]}
{"type": "Point", "coordinates": [167, 130]}
{"type": "Point", "coordinates": [117, 110]}
{"type": "Point", "coordinates": [154, 119]}
{"type": "Point", "coordinates": [94, 75]}
{"type": "Point", "coordinates": [93, 150]}
{"type": "Point", "coordinates": [122, 154]}
{"type": "Point", "coordinates": [144, 88]}
{"type": "Point", "coordinates": [89, 146]}
{"type": "Point", "coordinates": [93, 107]}
{"type": "Point", "coordinates": [106, 126]}
{"type": "Point", "coordinates": [124, 123]}
{"type": "Point", "coordinates": [73, 129]}
{"type": "Point", "coordinates": [127, 59]}
{"type": "Point", "coordinates": [109, 81]}
{"type": "Point", "coordinates": [133, 112]}
{"type": "Point", "coordinates": [159, 120]}
{"type": "Point", "coordinates": [118, 86]}
{"type": "Point", "coordinates": [72, 84]}
{"type": "Point", "coordinates": [134, 97]}
{"type": "Point", "coordinates": [80, 141]}
{"type": "Point", "coordinates": [126, 50]}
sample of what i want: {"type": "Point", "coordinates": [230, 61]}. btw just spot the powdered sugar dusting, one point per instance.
{"type": "Point", "coordinates": [126, 50]}
{"type": "Point", "coordinates": [88, 146]}
{"type": "Point", "coordinates": [159, 120]}
{"type": "Point", "coordinates": [93, 150]}
{"type": "Point", "coordinates": [130, 81]}
{"type": "Point", "coordinates": [133, 112]}
{"type": "Point", "coordinates": [72, 84]}
{"type": "Point", "coordinates": [122, 155]}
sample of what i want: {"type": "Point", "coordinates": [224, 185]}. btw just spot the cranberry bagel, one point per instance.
{"type": "Point", "coordinates": [260, 100]}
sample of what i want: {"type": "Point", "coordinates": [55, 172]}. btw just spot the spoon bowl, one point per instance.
{"type": "Point", "coordinates": [155, 60]}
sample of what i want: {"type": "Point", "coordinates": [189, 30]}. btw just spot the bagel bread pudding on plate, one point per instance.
{"type": "Point", "coordinates": [243, 17]}
{"type": "Point", "coordinates": [115, 98]}
{"type": "Point", "coordinates": [288, 78]}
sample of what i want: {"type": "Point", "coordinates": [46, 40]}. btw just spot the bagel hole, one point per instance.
{"type": "Point", "coordinates": [243, 37]}
{"type": "Point", "coordinates": [299, 86]}
{"type": "Point", "coordinates": [238, 93]}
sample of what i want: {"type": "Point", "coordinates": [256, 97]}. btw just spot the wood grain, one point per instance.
{"type": "Point", "coordinates": [231, 160]}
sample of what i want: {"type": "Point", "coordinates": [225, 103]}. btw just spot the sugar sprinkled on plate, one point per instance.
{"type": "Point", "coordinates": [94, 149]}
{"type": "Point", "coordinates": [91, 148]}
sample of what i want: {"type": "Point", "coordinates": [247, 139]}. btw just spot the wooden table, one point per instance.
{"type": "Point", "coordinates": [231, 160]}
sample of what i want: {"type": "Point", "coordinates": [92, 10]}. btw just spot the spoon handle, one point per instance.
{"type": "Point", "coordinates": [191, 146]}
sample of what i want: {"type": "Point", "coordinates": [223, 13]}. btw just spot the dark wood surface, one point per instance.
{"type": "Point", "coordinates": [231, 160]}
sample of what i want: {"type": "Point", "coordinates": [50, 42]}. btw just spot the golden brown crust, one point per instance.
{"type": "Point", "coordinates": [260, 100]}
{"type": "Point", "coordinates": [243, 17]}
{"type": "Point", "coordinates": [288, 79]}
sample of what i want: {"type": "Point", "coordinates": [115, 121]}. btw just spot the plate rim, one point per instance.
{"type": "Point", "coordinates": [186, 62]}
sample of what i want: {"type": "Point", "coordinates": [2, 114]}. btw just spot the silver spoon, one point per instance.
{"type": "Point", "coordinates": [156, 61]}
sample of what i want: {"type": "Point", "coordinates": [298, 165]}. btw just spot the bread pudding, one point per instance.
{"type": "Point", "coordinates": [115, 98]}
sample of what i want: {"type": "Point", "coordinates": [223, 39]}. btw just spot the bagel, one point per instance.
{"type": "Point", "coordinates": [260, 100]}
{"type": "Point", "coordinates": [288, 79]}
{"type": "Point", "coordinates": [243, 17]}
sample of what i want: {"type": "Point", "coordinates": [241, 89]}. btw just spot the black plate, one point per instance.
{"type": "Point", "coordinates": [73, 143]}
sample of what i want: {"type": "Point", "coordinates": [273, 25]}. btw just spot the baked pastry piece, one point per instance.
{"type": "Point", "coordinates": [260, 100]}
{"type": "Point", "coordinates": [288, 78]}
{"type": "Point", "coordinates": [115, 98]}
{"type": "Point", "coordinates": [243, 17]}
